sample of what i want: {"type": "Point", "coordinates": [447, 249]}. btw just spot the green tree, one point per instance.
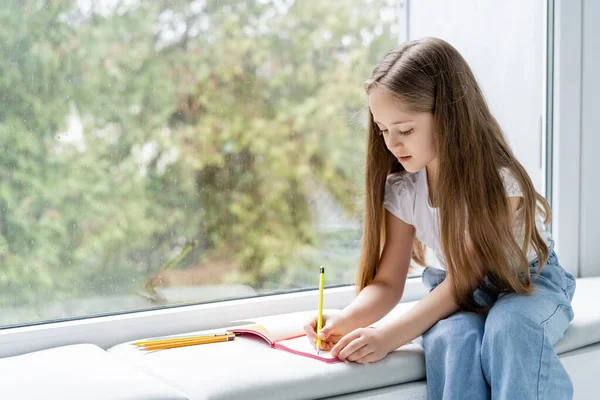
{"type": "Point", "coordinates": [213, 121]}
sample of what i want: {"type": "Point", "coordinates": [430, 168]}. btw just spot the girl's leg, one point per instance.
{"type": "Point", "coordinates": [517, 354]}
{"type": "Point", "coordinates": [453, 350]}
{"type": "Point", "coordinates": [453, 358]}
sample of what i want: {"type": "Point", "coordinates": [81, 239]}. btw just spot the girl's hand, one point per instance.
{"type": "Point", "coordinates": [363, 345]}
{"type": "Point", "coordinates": [333, 330]}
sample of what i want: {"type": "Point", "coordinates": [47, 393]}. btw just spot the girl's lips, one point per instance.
{"type": "Point", "coordinates": [404, 159]}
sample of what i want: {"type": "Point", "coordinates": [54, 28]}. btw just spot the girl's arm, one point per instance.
{"type": "Point", "coordinates": [435, 306]}
{"type": "Point", "coordinates": [384, 293]}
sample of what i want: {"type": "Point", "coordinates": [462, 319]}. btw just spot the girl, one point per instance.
{"type": "Point", "coordinates": [440, 173]}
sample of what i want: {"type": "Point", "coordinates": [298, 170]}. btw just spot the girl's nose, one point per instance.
{"type": "Point", "coordinates": [395, 141]}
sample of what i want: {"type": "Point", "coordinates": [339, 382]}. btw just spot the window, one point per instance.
{"type": "Point", "coordinates": [222, 141]}
{"type": "Point", "coordinates": [166, 153]}
{"type": "Point", "coordinates": [161, 153]}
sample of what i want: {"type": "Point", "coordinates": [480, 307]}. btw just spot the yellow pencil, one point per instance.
{"type": "Point", "coordinates": [181, 338]}
{"type": "Point", "coordinates": [183, 343]}
{"type": "Point", "coordinates": [320, 319]}
{"type": "Point", "coordinates": [178, 341]}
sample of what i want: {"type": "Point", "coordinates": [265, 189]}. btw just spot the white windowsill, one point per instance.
{"type": "Point", "coordinates": [107, 331]}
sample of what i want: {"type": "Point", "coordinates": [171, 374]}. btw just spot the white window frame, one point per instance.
{"type": "Point", "coordinates": [567, 131]}
{"type": "Point", "coordinates": [589, 220]}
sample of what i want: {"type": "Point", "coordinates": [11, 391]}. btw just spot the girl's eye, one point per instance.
{"type": "Point", "coordinates": [406, 133]}
{"type": "Point", "coordinates": [383, 131]}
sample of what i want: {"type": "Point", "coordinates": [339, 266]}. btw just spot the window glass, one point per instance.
{"type": "Point", "coordinates": [158, 153]}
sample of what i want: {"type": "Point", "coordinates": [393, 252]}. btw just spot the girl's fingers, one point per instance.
{"type": "Point", "coordinates": [360, 353]}
{"type": "Point", "coordinates": [344, 341]}
{"type": "Point", "coordinates": [310, 328]}
{"type": "Point", "coordinates": [351, 348]}
{"type": "Point", "coordinates": [326, 346]}
{"type": "Point", "coordinates": [369, 358]}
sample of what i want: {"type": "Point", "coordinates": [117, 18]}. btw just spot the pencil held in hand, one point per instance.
{"type": "Point", "coordinates": [320, 319]}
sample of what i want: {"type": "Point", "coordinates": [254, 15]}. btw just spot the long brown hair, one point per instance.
{"type": "Point", "coordinates": [429, 75]}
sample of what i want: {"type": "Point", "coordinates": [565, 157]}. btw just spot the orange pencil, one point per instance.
{"type": "Point", "coordinates": [183, 343]}
{"type": "Point", "coordinates": [162, 346]}
{"type": "Point", "coordinates": [182, 338]}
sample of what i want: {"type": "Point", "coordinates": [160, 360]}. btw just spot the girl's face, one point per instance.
{"type": "Point", "coordinates": [407, 135]}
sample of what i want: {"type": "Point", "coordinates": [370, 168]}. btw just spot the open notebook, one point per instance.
{"type": "Point", "coordinates": [284, 332]}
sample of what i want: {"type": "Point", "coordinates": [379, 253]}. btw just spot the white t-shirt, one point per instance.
{"type": "Point", "coordinates": [407, 197]}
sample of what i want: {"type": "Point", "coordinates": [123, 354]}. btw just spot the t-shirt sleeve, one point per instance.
{"type": "Point", "coordinates": [510, 184]}
{"type": "Point", "coordinates": [397, 198]}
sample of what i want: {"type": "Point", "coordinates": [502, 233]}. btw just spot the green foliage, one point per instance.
{"type": "Point", "coordinates": [215, 123]}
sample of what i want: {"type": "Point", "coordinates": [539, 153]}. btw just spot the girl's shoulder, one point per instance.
{"type": "Point", "coordinates": [402, 183]}
{"type": "Point", "coordinates": [399, 196]}
{"type": "Point", "coordinates": [511, 185]}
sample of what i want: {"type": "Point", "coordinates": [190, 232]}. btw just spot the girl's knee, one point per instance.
{"type": "Point", "coordinates": [462, 327]}
{"type": "Point", "coordinates": [503, 330]}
